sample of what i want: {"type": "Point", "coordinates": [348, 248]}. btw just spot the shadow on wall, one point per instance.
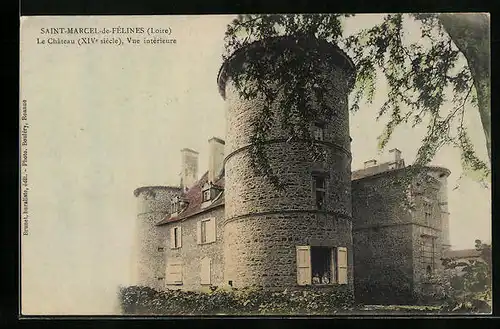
{"type": "Point", "coordinates": [392, 287]}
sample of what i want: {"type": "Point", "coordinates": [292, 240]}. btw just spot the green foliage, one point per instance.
{"type": "Point", "coordinates": [144, 300]}
{"type": "Point", "coordinates": [418, 75]}
{"type": "Point", "coordinates": [468, 284]}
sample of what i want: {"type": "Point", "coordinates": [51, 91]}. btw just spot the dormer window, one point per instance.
{"type": "Point", "coordinates": [174, 206]}
{"type": "Point", "coordinates": [209, 193]}
{"type": "Point", "coordinates": [178, 204]}
{"type": "Point", "coordinates": [319, 131]}
{"type": "Point", "coordinates": [206, 195]}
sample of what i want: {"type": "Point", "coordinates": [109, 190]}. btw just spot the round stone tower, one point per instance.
{"type": "Point", "coordinates": [264, 228]}
{"type": "Point", "coordinates": [153, 203]}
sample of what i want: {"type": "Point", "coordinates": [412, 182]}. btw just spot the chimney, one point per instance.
{"type": "Point", "coordinates": [189, 163]}
{"type": "Point", "coordinates": [215, 158]}
{"type": "Point", "coordinates": [396, 155]}
{"type": "Point", "coordinates": [370, 163]}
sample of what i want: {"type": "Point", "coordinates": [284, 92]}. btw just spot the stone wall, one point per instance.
{"type": "Point", "coordinates": [263, 225]}
{"type": "Point", "coordinates": [191, 253]}
{"type": "Point", "coordinates": [153, 204]}
{"type": "Point", "coordinates": [389, 230]}
{"type": "Point", "coordinates": [382, 237]}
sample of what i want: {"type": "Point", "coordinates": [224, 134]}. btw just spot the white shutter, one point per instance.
{"type": "Point", "coordinates": [174, 273]}
{"type": "Point", "coordinates": [205, 273]}
{"type": "Point", "coordinates": [198, 232]}
{"type": "Point", "coordinates": [342, 265]}
{"type": "Point", "coordinates": [179, 237]}
{"type": "Point", "coordinates": [172, 237]}
{"type": "Point", "coordinates": [211, 234]}
{"type": "Point", "coordinates": [303, 265]}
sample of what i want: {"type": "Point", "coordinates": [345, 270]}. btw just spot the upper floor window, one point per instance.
{"type": "Point", "coordinates": [206, 195]}
{"type": "Point", "coordinates": [319, 131]}
{"type": "Point", "coordinates": [428, 213]}
{"type": "Point", "coordinates": [206, 231]}
{"type": "Point", "coordinates": [175, 237]}
{"type": "Point", "coordinates": [174, 206]}
{"type": "Point", "coordinates": [319, 187]}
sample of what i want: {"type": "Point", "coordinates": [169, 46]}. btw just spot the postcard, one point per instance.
{"type": "Point", "coordinates": [235, 165]}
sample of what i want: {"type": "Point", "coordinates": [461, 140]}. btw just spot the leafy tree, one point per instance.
{"type": "Point", "coordinates": [470, 282]}
{"type": "Point", "coordinates": [451, 58]}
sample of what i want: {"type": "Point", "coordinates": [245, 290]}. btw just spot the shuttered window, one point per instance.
{"type": "Point", "coordinates": [303, 265]}
{"type": "Point", "coordinates": [206, 231]}
{"type": "Point", "coordinates": [174, 272]}
{"type": "Point", "coordinates": [206, 269]}
{"type": "Point", "coordinates": [342, 265]}
{"type": "Point", "coordinates": [321, 265]}
{"type": "Point", "coordinates": [175, 237]}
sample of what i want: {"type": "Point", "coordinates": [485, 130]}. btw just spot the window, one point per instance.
{"type": "Point", "coordinates": [319, 186]}
{"type": "Point", "coordinates": [319, 131]}
{"type": "Point", "coordinates": [206, 195]}
{"type": "Point", "coordinates": [206, 231]}
{"type": "Point", "coordinates": [205, 271]}
{"type": "Point", "coordinates": [175, 237]}
{"type": "Point", "coordinates": [321, 265]}
{"type": "Point", "coordinates": [174, 272]}
{"type": "Point", "coordinates": [174, 206]}
{"type": "Point", "coordinates": [160, 249]}
{"type": "Point", "coordinates": [428, 213]}
{"type": "Point", "coordinates": [428, 254]}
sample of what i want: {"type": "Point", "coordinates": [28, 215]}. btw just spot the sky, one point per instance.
{"type": "Point", "coordinates": [105, 119]}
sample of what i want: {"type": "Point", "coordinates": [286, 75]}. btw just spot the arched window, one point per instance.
{"type": "Point", "coordinates": [428, 270]}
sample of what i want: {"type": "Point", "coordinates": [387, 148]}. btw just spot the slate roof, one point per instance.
{"type": "Point", "coordinates": [194, 198]}
{"type": "Point", "coordinates": [374, 170]}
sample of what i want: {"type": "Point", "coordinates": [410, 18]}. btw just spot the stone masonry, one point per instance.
{"type": "Point", "coordinates": [258, 232]}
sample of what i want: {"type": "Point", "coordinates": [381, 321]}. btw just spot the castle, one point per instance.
{"type": "Point", "coordinates": [331, 227]}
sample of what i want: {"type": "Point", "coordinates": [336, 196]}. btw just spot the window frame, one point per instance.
{"type": "Point", "coordinates": [206, 195]}
{"type": "Point", "coordinates": [176, 237]}
{"type": "Point", "coordinates": [319, 126]}
{"type": "Point", "coordinates": [322, 190]}
{"type": "Point", "coordinates": [304, 266]}
{"type": "Point", "coordinates": [206, 225]}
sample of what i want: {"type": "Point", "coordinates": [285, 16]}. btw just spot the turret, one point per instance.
{"type": "Point", "coordinates": [153, 204]}
{"type": "Point", "coordinates": [285, 238]}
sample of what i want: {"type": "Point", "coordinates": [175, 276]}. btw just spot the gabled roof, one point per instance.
{"type": "Point", "coordinates": [194, 198]}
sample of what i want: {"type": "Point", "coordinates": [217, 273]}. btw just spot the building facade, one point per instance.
{"type": "Point", "coordinates": [329, 227]}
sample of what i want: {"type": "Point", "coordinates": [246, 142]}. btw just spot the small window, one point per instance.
{"type": "Point", "coordinates": [428, 270]}
{"type": "Point", "coordinates": [175, 237]}
{"type": "Point", "coordinates": [204, 231]}
{"type": "Point", "coordinates": [428, 213]}
{"type": "Point", "coordinates": [174, 206]}
{"type": "Point", "coordinates": [319, 191]}
{"type": "Point", "coordinates": [319, 131]}
{"type": "Point", "coordinates": [160, 249]}
{"type": "Point", "coordinates": [206, 195]}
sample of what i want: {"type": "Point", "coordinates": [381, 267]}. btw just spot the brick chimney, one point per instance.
{"type": "Point", "coordinates": [395, 155]}
{"type": "Point", "coordinates": [215, 158]}
{"type": "Point", "coordinates": [189, 163]}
